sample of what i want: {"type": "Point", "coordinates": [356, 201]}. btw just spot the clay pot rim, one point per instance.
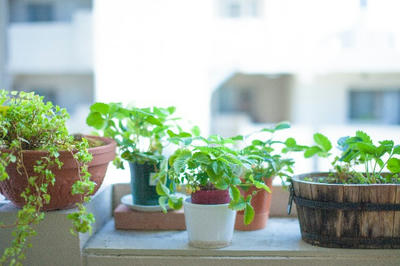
{"type": "Point", "coordinates": [298, 179]}
{"type": "Point", "coordinates": [109, 145]}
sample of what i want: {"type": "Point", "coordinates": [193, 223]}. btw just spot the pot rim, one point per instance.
{"type": "Point", "coordinates": [296, 178]}
{"type": "Point", "coordinates": [110, 144]}
{"type": "Point", "coordinates": [188, 202]}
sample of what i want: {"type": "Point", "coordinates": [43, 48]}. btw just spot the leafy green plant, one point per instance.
{"type": "Point", "coordinates": [265, 159]}
{"type": "Point", "coordinates": [207, 163]}
{"type": "Point", "coordinates": [141, 133]}
{"type": "Point", "coordinates": [27, 123]}
{"type": "Point", "coordinates": [361, 160]}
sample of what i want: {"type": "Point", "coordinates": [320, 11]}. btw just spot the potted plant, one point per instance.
{"type": "Point", "coordinates": [356, 205]}
{"type": "Point", "coordinates": [266, 163]}
{"type": "Point", "coordinates": [141, 135]}
{"type": "Point", "coordinates": [212, 170]}
{"type": "Point", "coordinates": [44, 168]}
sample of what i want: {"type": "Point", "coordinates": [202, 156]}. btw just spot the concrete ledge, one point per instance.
{"type": "Point", "coordinates": [92, 260]}
{"type": "Point", "coordinates": [54, 244]}
{"type": "Point", "coordinates": [279, 243]}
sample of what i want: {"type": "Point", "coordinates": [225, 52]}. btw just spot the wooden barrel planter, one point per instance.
{"type": "Point", "coordinates": [347, 215]}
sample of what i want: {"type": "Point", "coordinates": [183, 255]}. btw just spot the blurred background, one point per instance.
{"type": "Point", "coordinates": [230, 66]}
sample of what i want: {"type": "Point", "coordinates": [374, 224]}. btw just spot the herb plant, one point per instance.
{"type": "Point", "coordinates": [207, 163]}
{"type": "Point", "coordinates": [265, 160]}
{"type": "Point", "coordinates": [360, 152]}
{"type": "Point", "coordinates": [27, 123]}
{"type": "Point", "coordinates": [140, 133]}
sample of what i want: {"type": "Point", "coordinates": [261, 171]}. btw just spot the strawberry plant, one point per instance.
{"type": "Point", "coordinates": [361, 161]}
{"type": "Point", "coordinates": [265, 160]}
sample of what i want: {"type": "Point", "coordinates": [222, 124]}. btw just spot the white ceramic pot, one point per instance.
{"type": "Point", "coordinates": [209, 226]}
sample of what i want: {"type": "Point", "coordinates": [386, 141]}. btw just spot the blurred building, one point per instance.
{"type": "Point", "coordinates": [49, 50]}
{"type": "Point", "coordinates": [226, 64]}
{"type": "Point", "coordinates": [336, 71]}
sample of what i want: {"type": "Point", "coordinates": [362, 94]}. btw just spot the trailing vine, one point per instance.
{"type": "Point", "coordinates": [28, 123]}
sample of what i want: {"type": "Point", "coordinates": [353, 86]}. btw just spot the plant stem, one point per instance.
{"type": "Point", "coordinates": [384, 165]}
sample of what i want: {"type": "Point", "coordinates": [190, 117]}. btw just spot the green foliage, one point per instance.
{"type": "Point", "coordinates": [360, 151]}
{"type": "Point", "coordinates": [216, 163]}
{"type": "Point", "coordinates": [27, 123]}
{"type": "Point", "coordinates": [266, 160]}
{"type": "Point", "coordinates": [141, 133]}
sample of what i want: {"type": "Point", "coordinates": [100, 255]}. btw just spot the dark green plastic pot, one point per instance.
{"type": "Point", "coordinates": [142, 187]}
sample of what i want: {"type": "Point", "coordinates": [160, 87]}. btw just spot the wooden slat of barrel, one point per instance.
{"type": "Point", "coordinates": [396, 218]}
{"type": "Point", "coordinates": [377, 224]}
{"type": "Point", "coordinates": [317, 212]}
{"type": "Point", "coordinates": [350, 225]}
{"type": "Point", "coordinates": [300, 209]}
{"type": "Point", "coordinates": [330, 218]}
{"type": "Point", "coordinates": [308, 219]}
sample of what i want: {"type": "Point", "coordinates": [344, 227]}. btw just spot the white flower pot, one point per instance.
{"type": "Point", "coordinates": [209, 226]}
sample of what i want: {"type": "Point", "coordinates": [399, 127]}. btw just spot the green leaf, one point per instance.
{"type": "Point", "coordinates": [235, 193]}
{"type": "Point", "coordinates": [261, 185]}
{"type": "Point", "coordinates": [161, 189]}
{"type": "Point", "coordinates": [290, 142]}
{"type": "Point", "coordinates": [366, 147]}
{"type": "Point", "coordinates": [237, 138]}
{"type": "Point", "coordinates": [270, 130]}
{"type": "Point", "coordinates": [196, 131]}
{"type": "Point", "coordinates": [257, 142]}
{"type": "Point", "coordinates": [175, 203]}
{"type": "Point", "coordinates": [323, 142]}
{"type": "Point", "coordinates": [248, 214]}
{"type": "Point", "coordinates": [181, 160]}
{"type": "Point", "coordinates": [364, 136]}
{"type": "Point", "coordinates": [162, 201]}
{"type": "Point", "coordinates": [311, 151]}
{"type": "Point", "coordinates": [393, 165]}
{"type": "Point", "coordinates": [154, 121]}
{"type": "Point", "coordinates": [282, 125]}
{"type": "Point", "coordinates": [171, 109]}
{"type": "Point", "coordinates": [101, 108]}
{"type": "Point", "coordinates": [342, 143]}
{"type": "Point", "coordinates": [385, 146]}
{"type": "Point", "coordinates": [184, 135]}
{"type": "Point", "coordinates": [396, 149]}
{"type": "Point", "coordinates": [202, 158]}
{"type": "Point", "coordinates": [95, 120]}
{"type": "Point", "coordinates": [237, 205]}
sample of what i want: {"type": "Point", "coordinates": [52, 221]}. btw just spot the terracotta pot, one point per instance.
{"type": "Point", "coordinates": [60, 193]}
{"type": "Point", "coordinates": [261, 203]}
{"type": "Point", "coordinates": [214, 196]}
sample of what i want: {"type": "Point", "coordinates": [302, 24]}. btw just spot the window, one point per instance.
{"type": "Point", "coordinates": [40, 12]}
{"type": "Point", "coordinates": [239, 8]}
{"type": "Point", "coordinates": [381, 107]}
